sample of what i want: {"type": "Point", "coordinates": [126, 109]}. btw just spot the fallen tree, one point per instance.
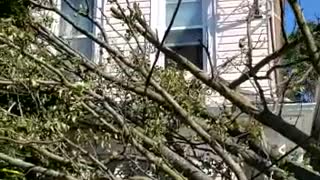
{"type": "Point", "coordinates": [66, 116]}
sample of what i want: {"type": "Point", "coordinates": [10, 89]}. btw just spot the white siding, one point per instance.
{"type": "Point", "coordinates": [116, 30]}
{"type": "Point", "coordinates": [231, 27]}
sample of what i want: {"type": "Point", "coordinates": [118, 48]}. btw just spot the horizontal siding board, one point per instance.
{"type": "Point", "coordinates": [236, 38]}
{"type": "Point", "coordinates": [229, 51]}
{"type": "Point", "coordinates": [234, 18]}
{"type": "Point", "coordinates": [226, 48]}
{"type": "Point", "coordinates": [229, 8]}
{"type": "Point", "coordinates": [237, 68]}
{"type": "Point", "coordinates": [231, 55]}
{"type": "Point", "coordinates": [261, 44]}
{"type": "Point", "coordinates": [231, 76]}
{"type": "Point", "coordinates": [240, 24]}
{"type": "Point", "coordinates": [241, 31]}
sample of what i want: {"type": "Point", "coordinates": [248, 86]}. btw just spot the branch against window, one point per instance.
{"type": "Point", "coordinates": [186, 33]}
{"type": "Point", "coordinates": [74, 9]}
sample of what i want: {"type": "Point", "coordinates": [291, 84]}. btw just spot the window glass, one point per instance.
{"type": "Point", "coordinates": [187, 36]}
{"type": "Point", "coordinates": [189, 13]}
{"type": "Point", "coordinates": [83, 6]}
{"type": "Point", "coordinates": [83, 45]}
{"type": "Point", "coordinates": [193, 53]}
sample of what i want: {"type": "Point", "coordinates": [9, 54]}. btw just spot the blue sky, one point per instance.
{"type": "Point", "coordinates": [311, 9]}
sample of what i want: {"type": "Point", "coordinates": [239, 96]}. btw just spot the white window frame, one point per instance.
{"type": "Point", "coordinates": [158, 24]}
{"type": "Point", "coordinates": [97, 4]}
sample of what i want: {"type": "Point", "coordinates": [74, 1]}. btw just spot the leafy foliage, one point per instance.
{"type": "Point", "coordinates": [17, 10]}
{"type": "Point", "coordinates": [305, 84]}
{"type": "Point", "coordinates": [35, 106]}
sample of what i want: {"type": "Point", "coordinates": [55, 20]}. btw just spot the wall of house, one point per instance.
{"type": "Point", "coordinates": [117, 31]}
{"type": "Point", "coordinates": [230, 27]}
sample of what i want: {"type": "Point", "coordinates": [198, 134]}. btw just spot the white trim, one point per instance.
{"type": "Point", "coordinates": [73, 37]}
{"type": "Point", "coordinates": [96, 51]}
{"type": "Point", "coordinates": [213, 31]}
{"type": "Point", "coordinates": [209, 32]}
{"type": "Point", "coordinates": [56, 22]}
{"type": "Point", "coordinates": [205, 34]}
{"type": "Point", "coordinates": [182, 44]}
{"type": "Point", "coordinates": [187, 27]}
{"type": "Point", "coordinates": [271, 38]}
{"type": "Point", "coordinates": [157, 24]}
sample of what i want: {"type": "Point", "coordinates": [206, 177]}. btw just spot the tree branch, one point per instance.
{"type": "Point", "coordinates": [31, 167]}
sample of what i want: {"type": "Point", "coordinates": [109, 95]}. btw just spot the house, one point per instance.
{"type": "Point", "coordinates": [210, 33]}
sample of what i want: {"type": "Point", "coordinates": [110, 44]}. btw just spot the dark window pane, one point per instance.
{"type": "Point", "coordinates": [193, 53]}
{"type": "Point", "coordinates": [186, 36]}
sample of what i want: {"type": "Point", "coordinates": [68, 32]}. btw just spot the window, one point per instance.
{"type": "Point", "coordinates": [186, 34]}
{"type": "Point", "coordinates": [77, 40]}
